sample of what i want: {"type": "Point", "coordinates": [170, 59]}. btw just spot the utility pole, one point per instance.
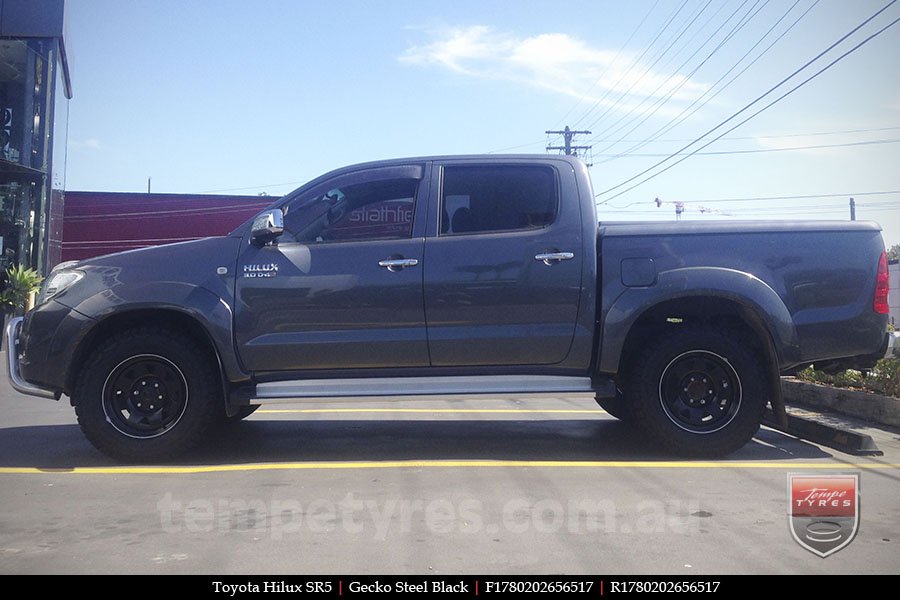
{"type": "Point", "coordinates": [568, 134]}
{"type": "Point", "coordinates": [852, 209]}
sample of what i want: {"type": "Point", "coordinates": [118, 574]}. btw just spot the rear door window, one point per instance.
{"type": "Point", "coordinates": [497, 198]}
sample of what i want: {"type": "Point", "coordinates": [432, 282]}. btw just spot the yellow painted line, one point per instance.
{"type": "Point", "coordinates": [426, 410]}
{"type": "Point", "coordinates": [455, 464]}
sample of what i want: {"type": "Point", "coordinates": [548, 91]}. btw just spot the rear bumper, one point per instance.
{"type": "Point", "coordinates": [12, 364]}
{"type": "Point", "coordinates": [859, 363]}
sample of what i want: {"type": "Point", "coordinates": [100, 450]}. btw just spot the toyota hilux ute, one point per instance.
{"type": "Point", "coordinates": [454, 276]}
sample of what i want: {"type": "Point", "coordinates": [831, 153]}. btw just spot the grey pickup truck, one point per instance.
{"type": "Point", "coordinates": [453, 276]}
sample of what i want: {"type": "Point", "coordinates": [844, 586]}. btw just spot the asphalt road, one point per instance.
{"type": "Point", "coordinates": [437, 487]}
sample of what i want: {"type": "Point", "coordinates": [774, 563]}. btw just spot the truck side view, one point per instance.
{"type": "Point", "coordinates": [465, 275]}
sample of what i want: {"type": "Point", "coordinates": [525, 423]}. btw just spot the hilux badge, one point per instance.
{"type": "Point", "coordinates": [261, 270]}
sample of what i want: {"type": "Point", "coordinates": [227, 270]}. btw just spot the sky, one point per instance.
{"type": "Point", "coordinates": [246, 97]}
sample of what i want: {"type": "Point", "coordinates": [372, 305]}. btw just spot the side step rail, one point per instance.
{"type": "Point", "coordinates": [486, 386]}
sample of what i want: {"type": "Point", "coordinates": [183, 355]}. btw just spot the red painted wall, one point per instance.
{"type": "Point", "coordinates": [96, 223]}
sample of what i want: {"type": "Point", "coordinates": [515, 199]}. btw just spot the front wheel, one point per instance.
{"type": "Point", "coordinates": [145, 395]}
{"type": "Point", "coordinates": [699, 393]}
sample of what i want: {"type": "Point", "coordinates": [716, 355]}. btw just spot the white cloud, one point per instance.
{"type": "Point", "coordinates": [90, 144]}
{"type": "Point", "coordinates": [552, 61]}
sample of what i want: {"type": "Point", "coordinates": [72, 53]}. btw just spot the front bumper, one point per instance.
{"type": "Point", "coordinates": [12, 364]}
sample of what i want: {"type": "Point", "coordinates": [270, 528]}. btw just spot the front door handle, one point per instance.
{"type": "Point", "coordinates": [549, 258]}
{"type": "Point", "coordinates": [396, 264]}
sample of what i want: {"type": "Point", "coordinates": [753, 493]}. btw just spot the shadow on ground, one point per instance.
{"type": "Point", "coordinates": [264, 441]}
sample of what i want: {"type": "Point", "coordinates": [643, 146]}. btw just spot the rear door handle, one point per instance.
{"type": "Point", "coordinates": [549, 258]}
{"type": "Point", "coordinates": [396, 264]}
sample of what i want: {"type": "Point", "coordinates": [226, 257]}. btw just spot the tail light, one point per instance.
{"type": "Point", "coordinates": [882, 286]}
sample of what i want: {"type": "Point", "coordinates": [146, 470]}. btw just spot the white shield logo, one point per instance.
{"type": "Point", "coordinates": [824, 511]}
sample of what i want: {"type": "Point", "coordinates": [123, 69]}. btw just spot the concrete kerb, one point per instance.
{"type": "Point", "coordinates": [863, 405]}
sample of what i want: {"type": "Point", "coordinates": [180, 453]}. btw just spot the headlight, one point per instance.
{"type": "Point", "coordinates": [57, 282]}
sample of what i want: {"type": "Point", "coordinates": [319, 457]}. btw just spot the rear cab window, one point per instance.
{"type": "Point", "coordinates": [481, 199]}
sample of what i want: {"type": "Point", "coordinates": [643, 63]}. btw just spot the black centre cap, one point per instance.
{"type": "Point", "coordinates": [149, 394]}
{"type": "Point", "coordinates": [697, 390]}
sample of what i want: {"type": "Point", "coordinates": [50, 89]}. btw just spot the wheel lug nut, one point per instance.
{"type": "Point", "coordinates": [159, 397]}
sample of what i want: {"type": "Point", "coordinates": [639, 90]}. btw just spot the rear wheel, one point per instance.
{"type": "Point", "coordinates": [146, 394]}
{"type": "Point", "coordinates": [699, 393]}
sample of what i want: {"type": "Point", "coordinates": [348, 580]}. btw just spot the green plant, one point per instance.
{"type": "Point", "coordinates": [883, 379]}
{"type": "Point", "coordinates": [21, 282]}
{"type": "Point", "coordinates": [893, 253]}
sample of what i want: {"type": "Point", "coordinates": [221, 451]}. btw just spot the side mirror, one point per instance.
{"type": "Point", "coordinates": [267, 226]}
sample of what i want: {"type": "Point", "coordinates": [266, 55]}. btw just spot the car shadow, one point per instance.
{"type": "Point", "coordinates": [60, 447]}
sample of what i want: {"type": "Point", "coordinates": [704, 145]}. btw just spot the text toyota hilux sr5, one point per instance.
{"type": "Point", "coordinates": [475, 275]}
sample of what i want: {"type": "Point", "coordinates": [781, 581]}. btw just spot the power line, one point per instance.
{"type": "Point", "coordinates": [761, 198]}
{"type": "Point", "coordinates": [653, 204]}
{"type": "Point", "coordinates": [609, 89]}
{"type": "Point", "coordinates": [789, 92]}
{"type": "Point", "coordinates": [535, 143]}
{"type": "Point", "coordinates": [608, 66]}
{"type": "Point", "coordinates": [162, 213]}
{"type": "Point", "coordinates": [892, 207]}
{"type": "Point", "coordinates": [813, 209]}
{"type": "Point", "coordinates": [660, 102]}
{"type": "Point", "coordinates": [694, 107]}
{"type": "Point", "coordinates": [252, 187]}
{"type": "Point", "coordinates": [767, 137]}
{"type": "Point", "coordinates": [650, 67]}
{"type": "Point", "coordinates": [759, 150]}
{"type": "Point", "coordinates": [543, 141]}
{"type": "Point", "coordinates": [862, 212]}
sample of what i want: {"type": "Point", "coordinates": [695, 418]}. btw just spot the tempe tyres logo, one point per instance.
{"type": "Point", "coordinates": [824, 511]}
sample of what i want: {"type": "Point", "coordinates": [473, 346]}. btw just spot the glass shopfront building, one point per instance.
{"type": "Point", "coordinates": [34, 94]}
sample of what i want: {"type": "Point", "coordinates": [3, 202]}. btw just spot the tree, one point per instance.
{"type": "Point", "coordinates": [893, 252]}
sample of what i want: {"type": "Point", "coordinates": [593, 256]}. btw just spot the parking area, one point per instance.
{"type": "Point", "coordinates": [489, 486]}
